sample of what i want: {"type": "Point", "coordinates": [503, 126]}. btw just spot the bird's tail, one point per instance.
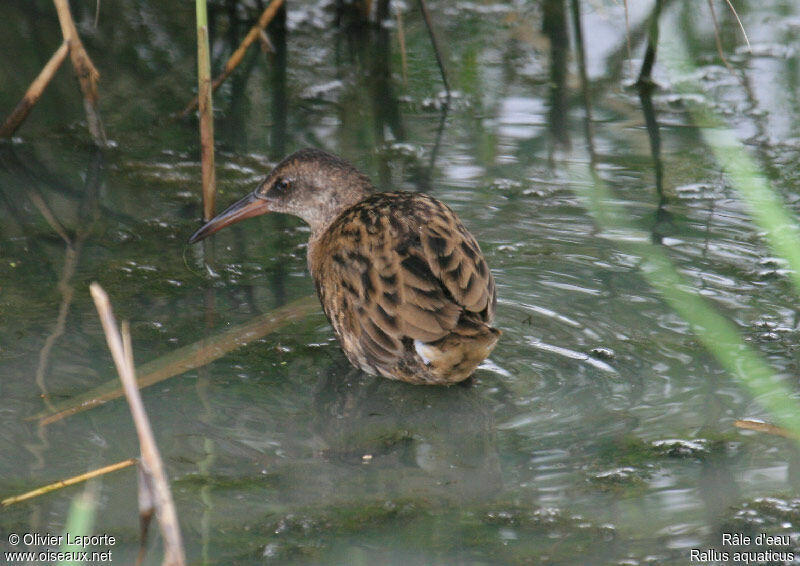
{"type": "Point", "coordinates": [456, 356]}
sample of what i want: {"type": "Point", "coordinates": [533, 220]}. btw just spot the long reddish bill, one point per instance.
{"type": "Point", "coordinates": [248, 207]}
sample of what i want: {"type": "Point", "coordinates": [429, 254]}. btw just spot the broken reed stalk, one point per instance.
{"type": "Point", "coordinates": [233, 61]}
{"type": "Point", "coordinates": [85, 69]}
{"type": "Point", "coordinates": [150, 464]}
{"type": "Point", "coordinates": [34, 91]}
{"type": "Point", "coordinates": [206, 111]}
{"type": "Point", "coordinates": [67, 482]}
{"type": "Point", "coordinates": [426, 15]}
{"type": "Point", "coordinates": [189, 357]}
{"type": "Point", "coordinates": [760, 426]}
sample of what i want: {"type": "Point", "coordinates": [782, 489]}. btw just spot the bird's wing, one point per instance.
{"type": "Point", "coordinates": [393, 272]}
{"type": "Point", "coordinates": [455, 259]}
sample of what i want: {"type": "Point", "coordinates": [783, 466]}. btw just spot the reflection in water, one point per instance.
{"type": "Point", "coordinates": [427, 442]}
{"type": "Point", "coordinates": [554, 24]}
{"type": "Point", "coordinates": [662, 221]}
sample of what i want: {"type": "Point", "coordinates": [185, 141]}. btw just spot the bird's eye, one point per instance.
{"type": "Point", "coordinates": [282, 185]}
{"type": "Point", "coordinates": [276, 189]}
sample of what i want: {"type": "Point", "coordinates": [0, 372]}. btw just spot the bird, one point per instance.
{"type": "Point", "coordinates": [402, 281]}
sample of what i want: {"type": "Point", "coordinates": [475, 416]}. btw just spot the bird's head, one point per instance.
{"type": "Point", "coordinates": [311, 184]}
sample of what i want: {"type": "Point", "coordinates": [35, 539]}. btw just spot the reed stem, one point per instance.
{"type": "Point", "coordinates": [206, 109]}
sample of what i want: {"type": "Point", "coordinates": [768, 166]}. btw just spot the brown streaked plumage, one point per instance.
{"type": "Point", "coordinates": [403, 283]}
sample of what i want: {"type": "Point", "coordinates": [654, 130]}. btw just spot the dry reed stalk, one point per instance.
{"type": "Point", "coordinates": [85, 69]}
{"type": "Point", "coordinates": [206, 109]}
{"type": "Point", "coordinates": [68, 482]}
{"type": "Point", "coordinates": [190, 357]}
{"type": "Point", "coordinates": [766, 428]}
{"type": "Point", "coordinates": [233, 61]}
{"type": "Point", "coordinates": [35, 90]}
{"type": "Point", "coordinates": [151, 466]}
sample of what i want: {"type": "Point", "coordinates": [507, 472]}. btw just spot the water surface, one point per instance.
{"type": "Point", "coordinates": [599, 432]}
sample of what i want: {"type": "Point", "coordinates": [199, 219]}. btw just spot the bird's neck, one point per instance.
{"type": "Point", "coordinates": [328, 209]}
{"type": "Point", "coordinates": [320, 223]}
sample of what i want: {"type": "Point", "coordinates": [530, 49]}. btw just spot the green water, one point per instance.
{"type": "Point", "coordinates": [600, 431]}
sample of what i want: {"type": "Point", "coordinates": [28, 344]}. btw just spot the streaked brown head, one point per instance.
{"type": "Point", "coordinates": [310, 184]}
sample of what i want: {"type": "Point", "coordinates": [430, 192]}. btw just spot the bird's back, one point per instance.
{"type": "Point", "coordinates": [406, 288]}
